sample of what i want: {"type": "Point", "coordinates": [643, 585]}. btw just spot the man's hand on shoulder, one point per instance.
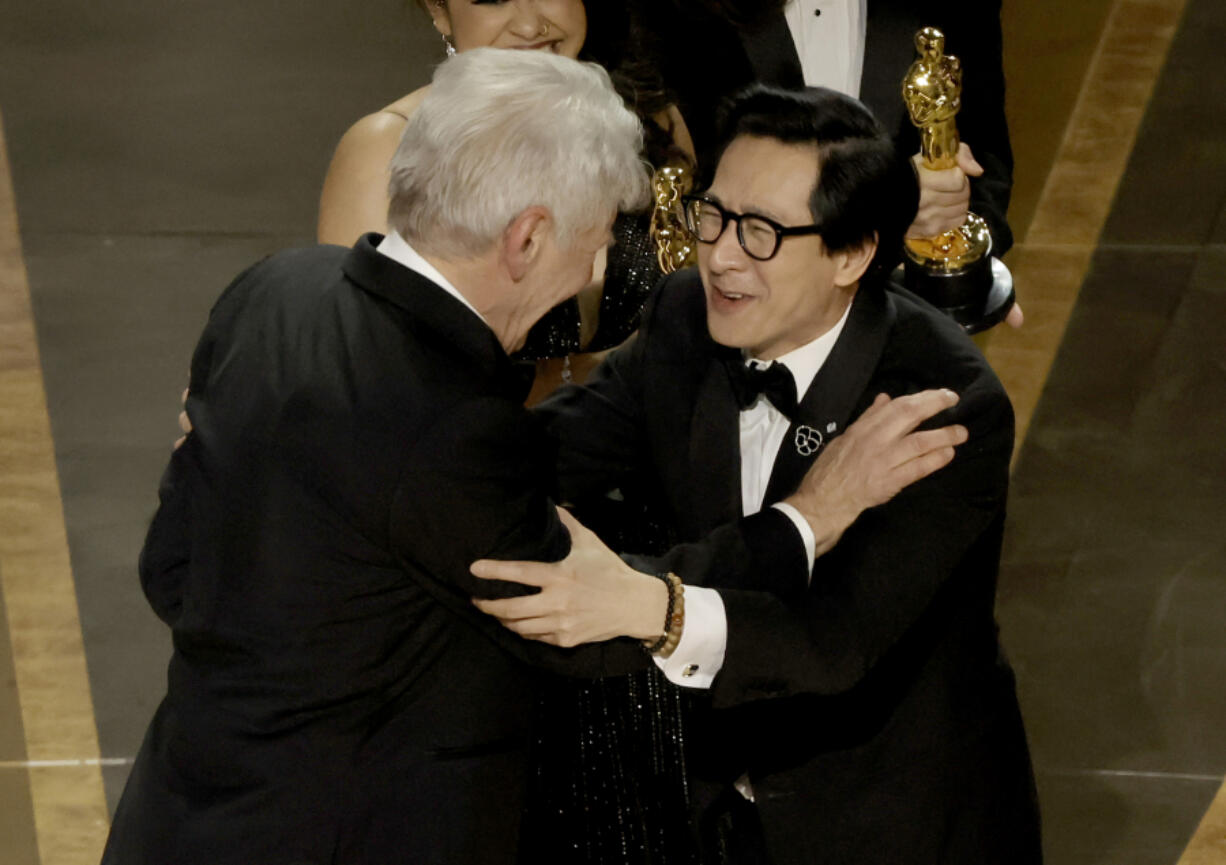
{"type": "Point", "coordinates": [873, 460]}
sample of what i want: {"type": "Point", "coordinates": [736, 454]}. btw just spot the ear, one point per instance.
{"type": "Point", "coordinates": [441, 17]}
{"type": "Point", "coordinates": [851, 263]}
{"type": "Point", "coordinates": [523, 240]}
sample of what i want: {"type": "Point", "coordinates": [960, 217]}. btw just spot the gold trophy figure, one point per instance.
{"type": "Point", "coordinates": [674, 244]}
{"type": "Point", "coordinates": [954, 270]}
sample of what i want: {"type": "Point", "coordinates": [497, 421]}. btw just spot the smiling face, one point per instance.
{"type": "Point", "coordinates": [771, 307]}
{"type": "Point", "coordinates": [559, 26]}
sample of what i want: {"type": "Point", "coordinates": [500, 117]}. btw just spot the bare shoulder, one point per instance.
{"type": "Point", "coordinates": [354, 196]}
{"type": "Point", "coordinates": [407, 104]}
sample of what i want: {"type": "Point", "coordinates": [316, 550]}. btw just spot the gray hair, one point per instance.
{"type": "Point", "coordinates": [501, 131]}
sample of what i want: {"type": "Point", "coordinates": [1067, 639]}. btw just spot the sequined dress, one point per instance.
{"type": "Point", "coordinates": [631, 273]}
{"type": "Point", "coordinates": [609, 782]}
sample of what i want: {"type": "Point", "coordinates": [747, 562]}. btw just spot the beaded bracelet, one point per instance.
{"type": "Point", "coordinates": [674, 618]}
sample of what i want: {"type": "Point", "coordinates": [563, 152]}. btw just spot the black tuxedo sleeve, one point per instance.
{"type": "Point", "coordinates": [885, 574]}
{"type": "Point", "coordinates": [473, 489]}
{"type": "Point", "coordinates": [165, 558]}
{"type": "Point", "coordinates": [974, 28]}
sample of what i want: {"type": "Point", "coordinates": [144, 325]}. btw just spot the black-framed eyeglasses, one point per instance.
{"type": "Point", "coordinates": [758, 235]}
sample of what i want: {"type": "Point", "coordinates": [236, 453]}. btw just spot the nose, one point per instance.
{"type": "Point", "coordinates": [527, 22]}
{"type": "Point", "coordinates": [726, 252]}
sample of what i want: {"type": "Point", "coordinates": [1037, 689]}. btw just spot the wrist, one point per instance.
{"type": "Point", "coordinates": [674, 618]}
{"type": "Point", "coordinates": [827, 528]}
{"type": "Point", "coordinates": [648, 608]}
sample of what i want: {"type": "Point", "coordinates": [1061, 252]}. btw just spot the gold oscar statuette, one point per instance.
{"type": "Point", "coordinates": [674, 244]}
{"type": "Point", "coordinates": [954, 271]}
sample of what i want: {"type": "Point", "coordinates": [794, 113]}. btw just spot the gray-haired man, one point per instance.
{"type": "Point", "coordinates": [359, 438]}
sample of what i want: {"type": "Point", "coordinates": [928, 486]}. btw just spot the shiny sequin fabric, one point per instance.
{"type": "Point", "coordinates": [610, 783]}
{"type": "Point", "coordinates": [631, 272]}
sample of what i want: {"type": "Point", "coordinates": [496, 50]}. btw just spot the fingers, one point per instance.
{"type": "Point", "coordinates": [920, 467]}
{"type": "Point", "coordinates": [185, 424]}
{"type": "Point", "coordinates": [939, 213]}
{"type": "Point", "coordinates": [568, 519]}
{"type": "Point", "coordinates": [578, 531]}
{"type": "Point", "coordinates": [903, 414]}
{"type": "Point", "coordinates": [1015, 319]}
{"type": "Point", "coordinates": [944, 197]}
{"type": "Point", "coordinates": [967, 161]}
{"type": "Point", "coordinates": [515, 609]}
{"type": "Point", "coordinates": [946, 181]}
{"type": "Point", "coordinates": [525, 573]}
{"type": "Point", "coordinates": [540, 628]}
{"type": "Point", "coordinates": [920, 444]}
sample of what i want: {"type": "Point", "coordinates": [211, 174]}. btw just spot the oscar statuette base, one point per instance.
{"type": "Point", "coordinates": [978, 296]}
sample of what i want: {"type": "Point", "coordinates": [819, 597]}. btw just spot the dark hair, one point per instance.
{"type": "Point", "coordinates": [623, 42]}
{"type": "Point", "coordinates": [864, 188]}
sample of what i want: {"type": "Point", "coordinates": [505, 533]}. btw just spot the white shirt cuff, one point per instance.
{"type": "Point", "coordinates": [806, 532]}
{"type": "Point", "coordinates": [700, 654]}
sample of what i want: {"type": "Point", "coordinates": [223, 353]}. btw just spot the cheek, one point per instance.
{"type": "Point", "coordinates": [475, 27]}
{"type": "Point", "coordinates": [571, 17]}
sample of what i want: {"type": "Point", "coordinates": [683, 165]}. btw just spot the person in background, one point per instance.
{"type": "Point", "coordinates": [570, 340]}
{"type": "Point", "coordinates": [862, 48]}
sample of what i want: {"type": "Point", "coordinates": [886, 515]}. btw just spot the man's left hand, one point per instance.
{"type": "Point", "coordinates": [944, 195]}
{"type": "Point", "coordinates": [589, 596]}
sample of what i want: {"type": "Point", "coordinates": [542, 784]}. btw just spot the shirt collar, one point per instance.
{"type": "Point", "coordinates": [398, 249]}
{"type": "Point", "coordinates": [805, 362]}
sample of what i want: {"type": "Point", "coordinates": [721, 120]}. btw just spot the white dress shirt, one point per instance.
{"type": "Point", "coordinates": [829, 38]}
{"type": "Point", "coordinates": [700, 653]}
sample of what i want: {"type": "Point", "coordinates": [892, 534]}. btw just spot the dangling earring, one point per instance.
{"type": "Point", "coordinates": [449, 47]}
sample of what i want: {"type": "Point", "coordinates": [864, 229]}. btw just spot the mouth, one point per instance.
{"type": "Point", "coordinates": [547, 45]}
{"type": "Point", "coordinates": [727, 301]}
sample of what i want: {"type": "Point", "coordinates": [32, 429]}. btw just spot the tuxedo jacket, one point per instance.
{"type": "Point", "coordinates": [359, 439]}
{"type": "Point", "coordinates": [707, 58]}
{"type": "Point", "coordinates": [870, 705]}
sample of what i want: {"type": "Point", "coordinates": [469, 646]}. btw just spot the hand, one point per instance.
{"type": "Point", "coordinates": [875, 458]}
{"type": "Point", "coordinates": [185, 423]}
{"type": "Point", "coordinates": [944, 194]}
{"type": "Point", "coordinates": [1015, 318]}
{"type": "Point", "coordinates": [590, 595]}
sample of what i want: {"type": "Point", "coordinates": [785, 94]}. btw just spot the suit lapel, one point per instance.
{"type": "Point", "coordinates": [436, 315]}
{"type": "Point", "coordinates": [715, 451]}
{"type": "Point", "coordinates": [889, 38]}
{"type": "Point", "coordinates": [771, 51]}
{"type": "Point", "coordinates": [826, 408]}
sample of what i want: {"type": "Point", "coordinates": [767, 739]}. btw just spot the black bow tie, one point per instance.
{"type": "Point", "coordinates": [774, 382]}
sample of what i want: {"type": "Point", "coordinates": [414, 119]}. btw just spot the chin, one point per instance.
{"type": "Point", "coordinates": [727, 336]}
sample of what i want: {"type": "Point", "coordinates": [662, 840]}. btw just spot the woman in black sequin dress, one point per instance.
{"type": "Point", "coordinates": [609, 784]}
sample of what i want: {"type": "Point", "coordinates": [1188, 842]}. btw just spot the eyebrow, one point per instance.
{"type": "Point", "coordinates": [752, 212]}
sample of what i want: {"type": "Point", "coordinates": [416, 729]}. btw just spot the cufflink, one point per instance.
{"type": "Point", "coordinates": [690, 670]}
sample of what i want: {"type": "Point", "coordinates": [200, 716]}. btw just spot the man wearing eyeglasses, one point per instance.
{"type": "Point", "coordinates": [857, 694]}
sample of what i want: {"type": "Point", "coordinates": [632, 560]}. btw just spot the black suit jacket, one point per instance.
{"type": "Point", "coordinates": [708, 58]}
{"type": "Point", "coordinates": [359, 439]}
{"type": "Point", "coordinates": [870, 706]}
